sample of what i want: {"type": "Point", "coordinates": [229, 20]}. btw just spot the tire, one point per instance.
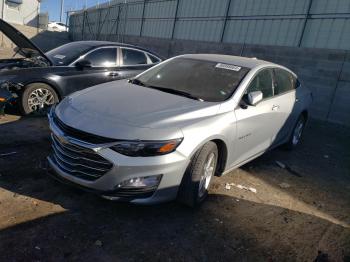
{"type": "Point", "coordinates": [40, 89]}
{"type": "Point", "coordinates": [296, 135]}
{"type": "Point", "coordinates": [193, 190]}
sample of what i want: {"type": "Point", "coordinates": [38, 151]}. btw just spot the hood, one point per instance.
{"type": "Point", "coordinates": [118, 109]}
{"type": "Point", "coordinates": [27, 48]}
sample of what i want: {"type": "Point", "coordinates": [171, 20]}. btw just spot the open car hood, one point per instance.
{"type": "Point", "coordinates": [27, 48]}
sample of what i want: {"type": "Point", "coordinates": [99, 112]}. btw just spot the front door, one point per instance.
{"type": "Point", "coordinates": [255, 124]}
{"type": "Point", "coordinates": [104, 68]}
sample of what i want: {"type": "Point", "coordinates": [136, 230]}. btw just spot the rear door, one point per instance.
{"type": "Point", "coordinates": [133, 61]}
{"type": "Point", "coordinates": [284, 104]}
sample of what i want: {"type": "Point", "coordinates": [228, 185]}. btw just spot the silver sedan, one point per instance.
{"type": "Point", "coordinates": [164, 134]}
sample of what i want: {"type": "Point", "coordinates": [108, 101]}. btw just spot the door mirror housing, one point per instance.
{"type": "Point", "coordinates": [254, 98]}
{"type": "Point", "coordinates": [82, 64]}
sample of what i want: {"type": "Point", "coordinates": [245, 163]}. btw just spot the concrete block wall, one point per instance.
{"type": "Point", "coordinates": [326, 72]}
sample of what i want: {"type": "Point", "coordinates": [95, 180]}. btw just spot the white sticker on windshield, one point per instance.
{"type": "Point", "coordinates": [228, 67]}
{"type": "Point", "coordinates": [60, 56]}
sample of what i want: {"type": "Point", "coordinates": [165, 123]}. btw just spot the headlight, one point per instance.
{"type": "Point", "coordinates": [147, 148]}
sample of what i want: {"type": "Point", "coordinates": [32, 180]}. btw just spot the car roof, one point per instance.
{"type": "Point", "coordinates": [94, 43]}
{"type": "Point", "coordinates": [228, 59]}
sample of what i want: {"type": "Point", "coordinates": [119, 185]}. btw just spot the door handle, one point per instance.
{"type": "Point", "coordinates": [275, 107]}
{"type": "Point", "coordinates": [113, 73]}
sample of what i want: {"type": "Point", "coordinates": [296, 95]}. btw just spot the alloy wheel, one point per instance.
{"type": "Point", "coordinates": [208, 172]}
{"type": "Point", "coordinates": [298, 131]}
{"type": "Point", "coordinates": [39, 99]}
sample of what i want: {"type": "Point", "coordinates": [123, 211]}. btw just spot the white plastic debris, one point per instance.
{"type": "Point", "coordinates": [284, 185]}
{"type": "Point", "coordinates": [251, 189]}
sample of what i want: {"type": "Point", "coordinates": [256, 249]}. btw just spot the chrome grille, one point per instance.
{"type": "Point", "coordinates": [79, 161]}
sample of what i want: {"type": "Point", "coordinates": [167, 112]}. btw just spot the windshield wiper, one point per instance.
{"type": "Point", "coordinates": [176, 92]}
{"type": "Point", "coordinates": [136, 81]}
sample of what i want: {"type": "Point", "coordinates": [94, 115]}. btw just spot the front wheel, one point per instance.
{"type": "Point", "coordinates": [195, 183]}
{"type": "Point", "coordinates": [37, 98]}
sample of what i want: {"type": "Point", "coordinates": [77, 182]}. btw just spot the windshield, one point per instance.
{"type": "Point", "coordinates": [66, 54]}
{"type": "Point", "coordinates": [205, 80]}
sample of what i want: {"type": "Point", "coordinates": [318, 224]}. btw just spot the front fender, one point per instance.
{"type": "Point", "coordinates": [220, 128]}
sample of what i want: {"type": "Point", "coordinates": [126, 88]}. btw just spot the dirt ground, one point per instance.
{"type": "Point", "coordinates": [295, 213]}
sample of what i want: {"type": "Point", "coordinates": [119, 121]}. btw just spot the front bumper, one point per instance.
{"type": "Point", "coordinates": [170, 167]}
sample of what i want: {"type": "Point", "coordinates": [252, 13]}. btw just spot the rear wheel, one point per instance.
{"type": "Point", "coordinates": [196, 181]}
{"type": "Point", "coordinates": [297, 133]}
{"type": "Point", "coordinates": [37, 98]}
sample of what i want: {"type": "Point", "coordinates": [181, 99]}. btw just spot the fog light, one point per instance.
{"type": "Point", "coordinates": [141, 182]}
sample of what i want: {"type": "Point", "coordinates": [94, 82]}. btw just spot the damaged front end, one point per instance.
{"type": "Point", "coordinates": [19, 63]}
{"type": "Point", "coordinates": [8, 94]}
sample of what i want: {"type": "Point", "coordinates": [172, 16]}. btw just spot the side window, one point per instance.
{"type": "Point", "coordinates": [154, 59]}
{"type": "Point", "coordinates": [133, 57]}
{"type": "Point", "coordinates": [262, 82]}
{"type": "Point", "coordinates": [284, 81]}
{"type": "Point", "coordinates": [104, 57]}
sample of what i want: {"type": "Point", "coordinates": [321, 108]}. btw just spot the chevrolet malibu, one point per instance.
{"type": "Point", "coordinates": [164, 134]}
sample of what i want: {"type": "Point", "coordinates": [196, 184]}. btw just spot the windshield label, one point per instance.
{"type": "Point", "coordinates": [60, 56]}
{"type": "Point", "coordinates": [228, 67]}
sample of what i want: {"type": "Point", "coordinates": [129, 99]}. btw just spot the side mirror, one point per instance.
{"type": "Point", "coordinates": [84, 63]}
{"type": "Point", "coordinates": [255, 97]}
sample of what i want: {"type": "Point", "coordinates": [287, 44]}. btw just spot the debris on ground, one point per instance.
{"type": "Point", "coordinates": [98, 243]}
{"type": "Point", "coordinates": [218, 220]}
{"type": "Point", "coordinates": [326, 156]}
{"type": "Point", "coordinates": [37, 247]}
{"type": "Point", "coordinates": [288, 168]}
{"type": "Point", "coordinates": [229, 185]}
{"type": "Point", "coordinates": [284, 185]}
{"type": "Point", "coordinates": [280, 164]}
{"type": "Point", "coordinates": [8, 154]}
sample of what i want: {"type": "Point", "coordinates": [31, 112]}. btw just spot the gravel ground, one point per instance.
{"type": "Point", "coordinates": [301, 207]}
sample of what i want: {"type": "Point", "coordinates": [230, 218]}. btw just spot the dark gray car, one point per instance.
{"type": "Point", "coordinates": [41, 79]}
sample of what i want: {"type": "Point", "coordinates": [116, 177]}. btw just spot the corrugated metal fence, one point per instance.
{"type": "Point", "coordinates": [304, 23]}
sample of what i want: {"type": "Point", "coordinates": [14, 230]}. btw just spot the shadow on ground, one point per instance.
{"type": "Point", "coordinates": [41, 219]}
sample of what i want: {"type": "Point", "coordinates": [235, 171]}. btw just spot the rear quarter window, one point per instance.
{"type": "Point", "coordinates": [133, 57]}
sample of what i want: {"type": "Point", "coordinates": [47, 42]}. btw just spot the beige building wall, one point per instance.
{"type": "Point", "coordinates": [25, 13]}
